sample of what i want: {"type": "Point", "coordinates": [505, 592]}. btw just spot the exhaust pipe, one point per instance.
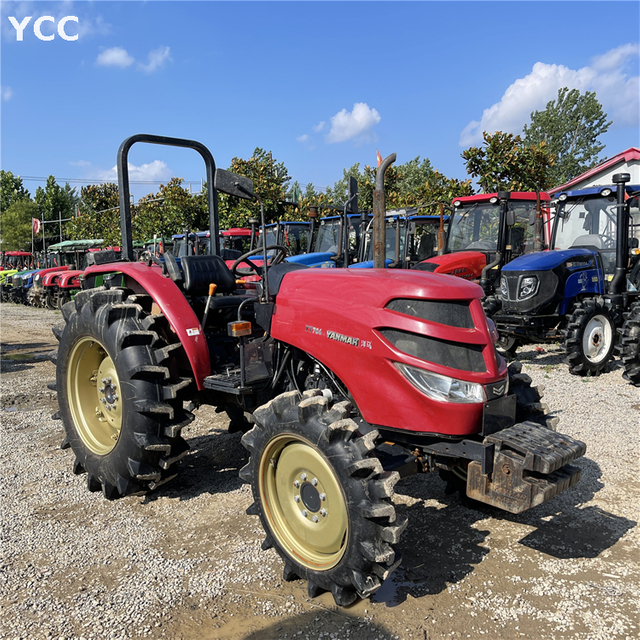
{"type": "Point", "coordinates": [379, 211]}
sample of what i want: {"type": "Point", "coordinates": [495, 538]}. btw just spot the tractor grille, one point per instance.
{"type": "Point", "coordinates": [548, 290]}
{"type": "Point", "coordinates": [467, 357]}
{"type": "Point", "coordinates": [453, 313]}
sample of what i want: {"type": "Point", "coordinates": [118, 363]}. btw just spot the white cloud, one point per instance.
{"type": "Point", "coordinates": [156, 60]}
{"type": "Point", "coordinates": [115, 57]}
{"type": "Point", "coordinates": [355, 125]}
{"type": "Point", "coordinates": [303, 138]}
{"type": "Point", "coordinates": [7, 93]}
{"type": "Point", "coordinates": [319, 127]}
{"type": "Point", "coordinates": [156, 171]}
{"type": "Point", "coordinates": [608, 75]}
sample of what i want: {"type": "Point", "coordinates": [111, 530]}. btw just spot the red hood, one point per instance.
{"type": "Point", "coordinates": [463, 264]}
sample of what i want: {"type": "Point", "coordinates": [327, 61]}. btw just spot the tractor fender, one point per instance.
{"type": "Point", "coordinates": [463, 264]}
{"type": "Point", "coordinates": [172, 303]}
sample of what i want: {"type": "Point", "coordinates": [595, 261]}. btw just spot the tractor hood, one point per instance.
{"type": "Point", "coordinates": [463, 264]}
{"type": "Point", "coordinates": [545, 260]}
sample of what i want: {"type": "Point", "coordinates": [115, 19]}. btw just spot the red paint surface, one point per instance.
{"type": "Point", "coordinates": [351, 302]}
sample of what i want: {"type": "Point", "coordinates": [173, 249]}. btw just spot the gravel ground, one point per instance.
{"type": "Point", "coordinates": [185, 561]}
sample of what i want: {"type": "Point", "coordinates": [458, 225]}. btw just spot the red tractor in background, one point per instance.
{"type": "Point", "coordinates": [487, 231]}
{"type": "Point", "coordinates": [349, 380]}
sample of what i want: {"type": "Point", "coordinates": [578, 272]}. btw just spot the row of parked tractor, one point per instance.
{"type": "Point", "coordinates": [580, 294]}
{"type": "Point", "coordinates": [349, 355]}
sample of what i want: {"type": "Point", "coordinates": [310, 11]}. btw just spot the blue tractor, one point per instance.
{"type": "Point", "coordinates": [587, 289]}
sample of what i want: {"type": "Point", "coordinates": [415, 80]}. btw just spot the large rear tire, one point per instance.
{"type": "Point", "coordinates": [630, 345]}
{"type": "Point", "coordinates": [323, 499]}
{"type": "Point", "coordinates": [589, 338]}
{"type": "Point", "coordinates": [120, 400]}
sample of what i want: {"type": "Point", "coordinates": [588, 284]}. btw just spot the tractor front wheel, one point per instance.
{"type": "Point", "coordinates": [119, 400]}
{"type": "Point", "coordinates": [589, 338]}
{"type": "Point", "coordinates": [323, 499]}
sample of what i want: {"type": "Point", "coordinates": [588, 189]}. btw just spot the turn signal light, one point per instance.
{"type": "Point", "coordinates": [238, 329]}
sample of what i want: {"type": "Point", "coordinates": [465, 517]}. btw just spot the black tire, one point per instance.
{"type": "Point", "coordinates": [589, 338]}
{"type": "Point", "coordinates": [238, 422]}
{"type": "Point", "coordinates": [128, 444]}
{"type": "Point", "coordinates": [506, 345]}
{"type": "Point", "coordinates": [62, 299]}
{"type": "Point", "coordinates": [629, 347]}
{"type": "Point", "coordinates": [351, 552]}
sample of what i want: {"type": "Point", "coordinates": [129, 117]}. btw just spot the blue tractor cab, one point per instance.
{"type": "Point", "coordinates": [579, 291]}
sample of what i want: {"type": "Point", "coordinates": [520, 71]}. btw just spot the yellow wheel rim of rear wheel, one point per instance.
{"type": "Point", "coordinates": [303, 502]}
{"type": "Point", "coordinates": [94, 394]}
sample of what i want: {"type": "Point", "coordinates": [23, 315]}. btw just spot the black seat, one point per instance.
{"type": "Point", "coordinates": [201, 271]}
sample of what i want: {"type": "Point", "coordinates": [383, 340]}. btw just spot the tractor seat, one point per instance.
{"type": "Point", "coordinates": [589, 240]}
{"type": "Point", "coordinates": [199, 272]}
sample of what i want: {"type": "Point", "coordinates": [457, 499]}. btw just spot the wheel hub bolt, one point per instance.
{"type": "Point", "coordinates": [103, 400]}
{"type": "Point", "coordinates": [315, 518]}
{"type": "Point", "coordinates": [323, 512]}
{"type": "Point", "coordinates": [323, 496]}
{"type": "Point", "coordinates": [101, 389]}
{"type": "Point", "coordinates": [296, 484]}
{"type": "Point", "coordinates": [296, 498]}
{"type": "Point", "coordinates": [303, 476]}
{"type": "Point", "coordinates": [314, 482]}
{"type": "Point", "coordinates": [304, 513]}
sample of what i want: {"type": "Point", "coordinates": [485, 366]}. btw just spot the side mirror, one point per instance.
{"type": "Point", "coordinates": [634, 243]}
{"type": "Point", "coordinates": [234, 185]}
{"type": "Point", "coordinates": [511, 217]}
{"type": "Point", "coordinates": [532, 218]}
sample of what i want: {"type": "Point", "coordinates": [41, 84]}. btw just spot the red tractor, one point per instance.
{"type": "Point", "coordinates": [347, 381]}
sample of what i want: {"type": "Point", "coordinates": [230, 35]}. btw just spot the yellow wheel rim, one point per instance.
{"type": "Point", "coordinates": [303, 502]}
{"type": "Point", "coordinates": [94, 395]}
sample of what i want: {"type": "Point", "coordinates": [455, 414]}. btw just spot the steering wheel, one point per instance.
{"type": "Point", "coordinates": [609, 242]}
{"type": "Point", "coordinates": [254, 268]}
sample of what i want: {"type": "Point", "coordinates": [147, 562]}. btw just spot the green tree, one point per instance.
{"type": "Point", "coordinates": [505, 163]}
{"type": "Point", "coordinates": [16, 225]}
{"type": "Point", "coordinates": [172, 210]}
{"type": "Point", "coordinates": [98, 215]}
{"type": "Point", "coordinates": [570, 127]}
{"type": "Point", "coordinates": [55, 203]}
{"type": "Point", "coordinates": [270, 182]}
{"type": "Point", "coordinates": [11, 190]}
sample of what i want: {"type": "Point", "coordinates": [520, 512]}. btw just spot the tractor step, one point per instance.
{"type": "Point", "coordinates": [531, 464]}
{"type": "Point", "coordinates": [231, 382]}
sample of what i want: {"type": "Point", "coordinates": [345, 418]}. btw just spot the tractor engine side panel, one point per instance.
{"type": "Point", "coordinates": [341, 318]}
{"type": "Point", "coordinates": [462, 264]}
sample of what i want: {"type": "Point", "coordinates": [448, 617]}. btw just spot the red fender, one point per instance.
{"type": "Point", "coordinates": [174, 306]}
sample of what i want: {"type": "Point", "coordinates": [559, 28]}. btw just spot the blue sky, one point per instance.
{"type": "Point", "coordinates": [320, 84]}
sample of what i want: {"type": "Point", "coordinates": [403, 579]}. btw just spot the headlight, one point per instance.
{"type": "Point", "coordinates": [443, 388]}
{"type": "Point", "coordinates": [528, 287]}
{"type": "Point", "coordinates": [37, 278]}
{"type": "Point", "coordinates": [606, 192]}
{"type": "Point", "coordinates": [504, 289]}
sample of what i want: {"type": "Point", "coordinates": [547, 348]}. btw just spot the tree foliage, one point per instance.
{"type": "Point", "coordinates": [412, 184]}
{"type": "Point", "coordinates": [505, 163]}
{"type": "Point", "coordinates": [270, 182]}
{"type": "Point", "coordinates": [11, 190]}
{"type": "Point", "coordinates": [570, 127]}
{"type": "Point", "coordinates": [98, 214]}
{"type": "Point", "coordinates": [16, 225]}
{"type": "Point", "coordinates": [55, 203]}
{"type": "Point", "coordinates": [172, 210]}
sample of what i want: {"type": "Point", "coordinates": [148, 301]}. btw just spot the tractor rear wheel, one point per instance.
{"type": "Point", "coordinates": [120, 401]}
{"type": "Point", "coordinates": [630, 344]}
{"type": "Point", "coordinates": [589, 338]}
{"type": "Point", "coordinates": [323, 499]}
